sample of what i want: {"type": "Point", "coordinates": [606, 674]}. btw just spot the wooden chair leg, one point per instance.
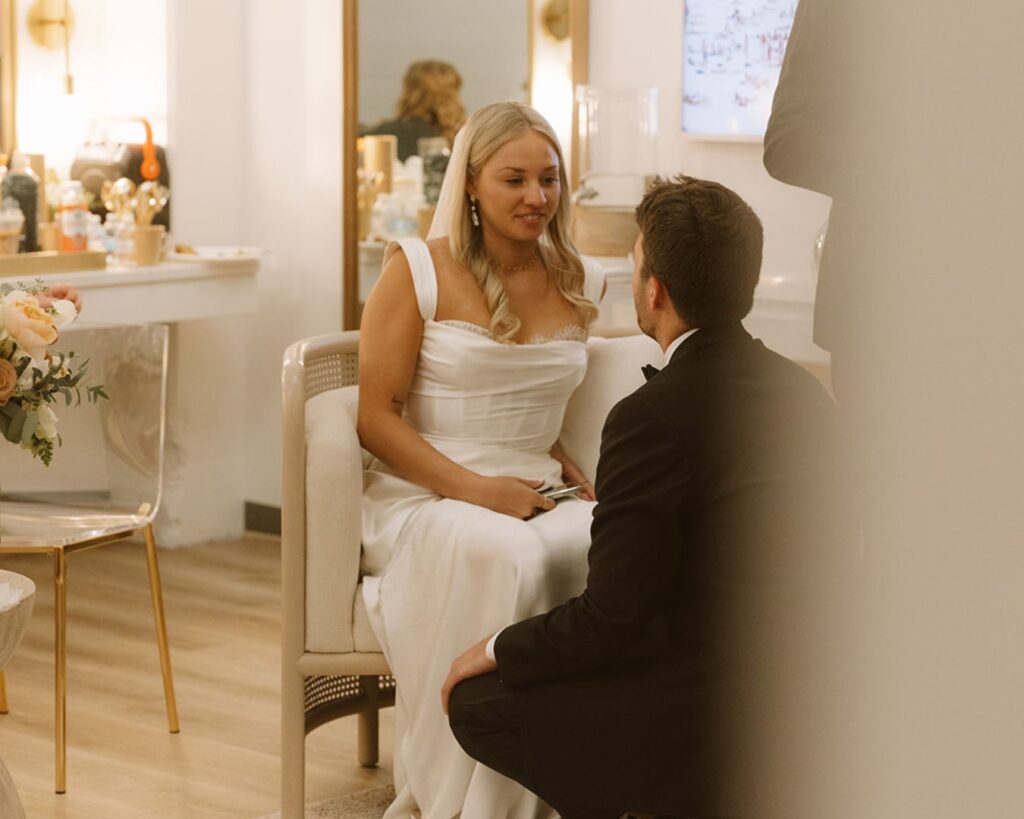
{"type": "Point", "coordinates": [161, 629]}
{"type": "Point", "coordinates": [293, 743]}
{"type": "Point", "coordinates": [60, 617]}
{"type": "Point", "coordinates": [369, 723]}
{"type": "Point", "coordinates": [3, 693]}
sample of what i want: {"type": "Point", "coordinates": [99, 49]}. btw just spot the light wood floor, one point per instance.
{"type": "Point", "coordinates": [223, 618]}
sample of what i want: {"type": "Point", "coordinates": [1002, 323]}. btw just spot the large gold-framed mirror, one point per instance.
{"type": "Point", "coordinates": [532, 50]}
{"type": "Point", "coordinates": [8, 76]}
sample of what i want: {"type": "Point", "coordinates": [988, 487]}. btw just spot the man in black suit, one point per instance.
{"type": "Point", "coordinates": [677, 682]}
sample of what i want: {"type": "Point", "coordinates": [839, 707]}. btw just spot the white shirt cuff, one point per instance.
{"type": "Point", "coordinates": [489, 648]}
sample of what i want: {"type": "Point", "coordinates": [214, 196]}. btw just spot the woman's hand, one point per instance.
{"type": "Point", "coordinates": [571, 474]}
{"type": "Point", "coordinates": [56, 292]}
{"type": "Point", "coordinates": [517, 497]}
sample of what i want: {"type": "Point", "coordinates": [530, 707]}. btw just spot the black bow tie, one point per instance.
{"type": "Point", "coordinates": [649, 371]}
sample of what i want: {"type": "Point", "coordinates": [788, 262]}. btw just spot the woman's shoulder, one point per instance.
{"type": "Point", "coordinates": [439, 245]}
{"type": "Point", "coordinates": [409, 259]}
{"type": "Point", "coordinates": [441, 255]}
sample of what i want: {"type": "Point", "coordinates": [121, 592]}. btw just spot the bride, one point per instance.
{"type": "Point", "coordinates": [471, 344]}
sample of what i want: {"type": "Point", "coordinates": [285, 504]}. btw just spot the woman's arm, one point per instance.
{"type": "Point", "coordinates": [390, 335]}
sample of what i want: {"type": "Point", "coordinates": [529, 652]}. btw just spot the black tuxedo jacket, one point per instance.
{"type": "Point", "coordinates": [712, 534]}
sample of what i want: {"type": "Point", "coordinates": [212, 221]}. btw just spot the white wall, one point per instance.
{"type": "Point", "coordinates": [293, 195]}
{"type": "Point", "coordinates": [119, 63]}
{"type": "Point", "coordinates": [486, 42]}
{"type": "Point", "coordinates": [641, 43]}
{"type": "Point", "coordinates": [207, 153]}
{"type": "Point", "coordinates": [255, 149]}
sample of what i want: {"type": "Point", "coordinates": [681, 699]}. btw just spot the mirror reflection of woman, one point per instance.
{"type": "Point", "coordinates": [471, 344]}
{"type": "Point", "coordinates": [429, 106]}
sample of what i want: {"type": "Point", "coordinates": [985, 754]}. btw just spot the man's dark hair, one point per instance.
{"type": "Point", "coordinates": [704, 244]}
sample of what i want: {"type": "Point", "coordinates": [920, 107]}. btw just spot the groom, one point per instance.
{"type": "Point", "coordinates": [683, 681]}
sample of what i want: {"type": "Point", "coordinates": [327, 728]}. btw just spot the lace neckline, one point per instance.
{"type": "Point", "coordinates": [570, 332]}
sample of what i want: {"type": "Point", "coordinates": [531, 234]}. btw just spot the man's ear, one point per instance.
{"type": "Point", "coordinates": [656, 293]}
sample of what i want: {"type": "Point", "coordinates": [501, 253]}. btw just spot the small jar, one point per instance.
{"type": "Point", "coordinates": [73, 218]}
{"type": "Point", "coordinates": [383, 207]}
{"type": "Point", "coordinates": [22, 184]}
{"type": "Point", "coordinates": [124, 239]}
{"type": "Point", "coordinates": [12, 220]}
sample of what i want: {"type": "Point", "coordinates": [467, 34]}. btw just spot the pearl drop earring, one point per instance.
{"type": "Point", "coordinates": [473, 212]}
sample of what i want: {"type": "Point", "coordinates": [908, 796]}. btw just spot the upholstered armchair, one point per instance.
{"type": "Point", "coordinates": [332, 665]}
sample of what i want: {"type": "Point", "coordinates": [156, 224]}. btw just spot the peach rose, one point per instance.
{"type": "Point", "coordinates": [8, 380]}
{"type": "Point", "coordinates": [28, 324]}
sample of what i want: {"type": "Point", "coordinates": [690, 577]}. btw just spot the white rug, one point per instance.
{"type": "Point", "coordinates": [369, 804]}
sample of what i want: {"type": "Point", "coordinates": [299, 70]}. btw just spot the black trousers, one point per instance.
{"type": "Point", "coordinates": [485, 718]}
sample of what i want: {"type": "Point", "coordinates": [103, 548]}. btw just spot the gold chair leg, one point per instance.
{"type": "Point", "coordinates": [3, 693]}
{"type": "Point", "coordinates": [161, 628]}
{"type": "Point", "coordinates": [60, 615]}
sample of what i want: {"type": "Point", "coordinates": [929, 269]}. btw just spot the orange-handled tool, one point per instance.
{"type": "Point", "coordinates": [150, 167]}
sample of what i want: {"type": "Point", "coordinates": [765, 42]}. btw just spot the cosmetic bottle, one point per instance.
{"type": "Point", "coordinates": [22, 184]}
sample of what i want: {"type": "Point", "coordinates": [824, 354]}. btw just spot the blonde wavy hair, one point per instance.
{"type": "Point", "coordinates": [486, 131]}
{"type": "Point", "coordinates": [430, 91]}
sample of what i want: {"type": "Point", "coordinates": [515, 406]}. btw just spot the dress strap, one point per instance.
{"type": "Point", "coordinates": [424, 276]}
{"type": "Point", "coordinates": [593, 281]}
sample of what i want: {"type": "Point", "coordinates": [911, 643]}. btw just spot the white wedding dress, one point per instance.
{"type": "Point", "coordinates": [442, 574]}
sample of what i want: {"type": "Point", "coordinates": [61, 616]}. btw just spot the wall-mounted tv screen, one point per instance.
{"type": "Point", "coordinates": [732, 53]}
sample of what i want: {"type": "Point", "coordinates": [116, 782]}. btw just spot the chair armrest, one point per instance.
{"type": "Point", "coordinates": [311, 367]}
{"type": "Point", "coordinates": [613, 372]}
{"type": "Point", "coordinates": [334, 499]}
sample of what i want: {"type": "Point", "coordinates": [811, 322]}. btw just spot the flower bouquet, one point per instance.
{"type": "Point", "coordinates": [32, 377]}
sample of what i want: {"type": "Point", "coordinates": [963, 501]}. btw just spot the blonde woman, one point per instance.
{"type": "Point", "coordinates": [429, 106]}
{"type": "Point", "coordinates": [471, 344]}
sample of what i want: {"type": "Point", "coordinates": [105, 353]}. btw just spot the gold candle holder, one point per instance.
{"type": "Point", "coordinates": [378, 156]}
{"type": "Point", "coordinates": [369, 186]}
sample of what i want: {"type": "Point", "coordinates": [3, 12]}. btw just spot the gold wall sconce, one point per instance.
{"type": "Point", "coordinates": [556, 19]}
{"type": "Point", "coordinates": [50, 25]}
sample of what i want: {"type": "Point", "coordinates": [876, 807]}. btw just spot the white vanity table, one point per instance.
{"type": "Point", "coordinates": [169, 292]}
{"type": "Point", "coordinates": [201, 500]}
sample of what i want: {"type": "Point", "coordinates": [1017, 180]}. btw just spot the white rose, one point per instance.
{"type": "Point", "coordinates": [25, 379]}
{"type": "Point", "coordinates": [65, 312]}
{"type": "Point", "coordinates": [47, 428]}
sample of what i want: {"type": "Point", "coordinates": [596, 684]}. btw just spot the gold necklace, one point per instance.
{"type": "Point", "coordinates": [517, 268]}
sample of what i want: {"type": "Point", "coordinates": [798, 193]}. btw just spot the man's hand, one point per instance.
{"type": "Point", "coordinates": [471, 663]}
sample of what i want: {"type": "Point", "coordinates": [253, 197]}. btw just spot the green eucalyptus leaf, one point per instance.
{"type": "Point", "coordinates": [16, 422]}
{"type": "Point", "coordinates": [30, 427]}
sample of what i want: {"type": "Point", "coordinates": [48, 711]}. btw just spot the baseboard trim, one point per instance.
{"type": "Point", "coordinates": [262, 518]}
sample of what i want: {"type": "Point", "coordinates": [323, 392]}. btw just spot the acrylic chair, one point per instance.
{"type": "Point", "coordinates": [104, 484]}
